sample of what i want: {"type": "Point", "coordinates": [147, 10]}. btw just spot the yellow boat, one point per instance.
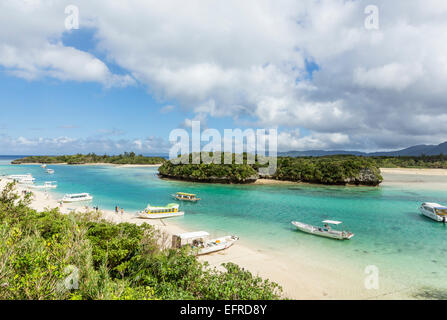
{"type": "Point", "coordinates": [151, 212]}
{"type": "Point", "coordinates": [183, 196]}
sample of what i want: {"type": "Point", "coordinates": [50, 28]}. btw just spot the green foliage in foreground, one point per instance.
{"type": "Point", "coordinates": [41, 251]}
{"type": "Point", "coordinates": [126, 158]}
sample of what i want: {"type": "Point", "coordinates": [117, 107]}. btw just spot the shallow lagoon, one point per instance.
{"type": "Point", "coordinates": [390, 234]}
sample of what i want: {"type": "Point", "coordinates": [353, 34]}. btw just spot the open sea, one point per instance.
{"type": "Point", "coordinates": [389, 231]}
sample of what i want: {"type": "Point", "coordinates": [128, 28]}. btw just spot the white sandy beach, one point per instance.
{"type": "Point", "coordinates": [306, 278]}
{"type": "Point", "coordinates": [411, 171]}
{"type": "Point", "coordinates": [428, 179]}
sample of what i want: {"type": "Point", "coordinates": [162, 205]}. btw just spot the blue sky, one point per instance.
{"type": "Point", "coordinates": [136, 70]}
{"type": "Point", "coordinates": [53, 108]}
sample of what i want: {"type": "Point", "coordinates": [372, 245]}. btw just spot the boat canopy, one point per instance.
{"type": "Point", "coordinates": [191, 235]}
{"type": "Point", "coordinates": [332, 222]}
{"type": "Point", "coordinates": [171, 205]}
{"type": "Point", "coordinates": [435, 205]}
{"type": "Point", "coordinates": [76, 194]}
{"type": "Point", "coordinates": [186, 194]}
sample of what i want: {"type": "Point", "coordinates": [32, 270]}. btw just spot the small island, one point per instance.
{"type": "Point", "coordinates": [91, 158]}
{"type": "Point", "coordinates": [330, 170]}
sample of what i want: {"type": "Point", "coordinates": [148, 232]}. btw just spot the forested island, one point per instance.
{"type": "Point", "coordinates": [331, 170]}
{"type": "Point", "coordinates": [91, 158]}
{"type": "Point", "coordinates": [41, 250]}
{"type": "Point", "coordinates": [421, 162]}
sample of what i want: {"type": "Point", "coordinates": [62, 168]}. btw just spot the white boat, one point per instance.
{"type": "Point", "coordinates": [151, 212]}
{"type": "Point", "coordinates": [186, 196]}
{"type": "Point", "coordinates": [46, 185]}
{"type": "Point", "coordinates": [434, 211]}
{"type": "Point", "coordinates": [77, 197]}
{"type": "Point", "coordinates": [325, 231]}
{"type": "Point", "coordinates": [22, 178]}
{"type": "Point", "coordinates": [50, 171]}
{"type": "Point", "coordinates": [43, 166]}
{"type": "Point", "coordinates": [200, 242]}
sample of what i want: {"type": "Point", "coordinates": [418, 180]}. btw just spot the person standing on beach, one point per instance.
{"type": "Point", "coordinates": [122, 211]}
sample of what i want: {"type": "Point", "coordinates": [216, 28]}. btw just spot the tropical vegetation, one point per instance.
{"type": "Point", "coordinates": [329, 170]}
{"type": "Point", "coordinates": [429, 162]}
{"type": "Point", "coordinates": [323, 170]}
{"type": "Point", "coordinates": [126, 158]}
{"type": "Point", "coordinates": [49, 255]}
{"type": "Point", "coordinates": [210, 171]}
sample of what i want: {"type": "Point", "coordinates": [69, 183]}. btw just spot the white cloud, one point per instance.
{"type": "Point", "coordinates": [293, 140]}
{"type": "Point", "coordinates": [31, 48]}
{"type": "Point", "coordinates": [247, 58]}
{"type": "Point", "coordinates": [391, 76]}
{"type": "Point", "coordinates": [167, 108]}
{"type": "Point", "coordinates": [67, 145]}
{"type": "Point", "coordinates": [201, 117]}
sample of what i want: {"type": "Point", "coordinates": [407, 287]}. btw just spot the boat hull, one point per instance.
{"type": "Point", "coordinates": [185, 199]}
{"type": "Point", "coordinates": [338, 235]}
{"type": "Point", "coordinates": [77, 200]}
{"type": "Point", "coordinates": [160, 215]}
{"type": "Point", "coordinates": [432, 215]}
{"type": "Point", "coordinates": [226, 242]}
{"type": "Point", "coordinates": [44, 187]}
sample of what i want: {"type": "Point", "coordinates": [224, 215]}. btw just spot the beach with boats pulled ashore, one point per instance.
{"type": "Point", "coordinates": [306, 267]}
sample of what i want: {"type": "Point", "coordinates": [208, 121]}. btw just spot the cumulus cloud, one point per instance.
{"type": "Point", "coordinates": [167, 108]}
{"type": "Point", "coordinates": [67, 145]}
{"type": "Point", "coordinates": [293, 140]}
{"type": "Point", "coordinates": [31, 47]}
{"type": "Point", "coordinates": [373, 89]}
{"type": "Point", "coordinates": [111, 132]}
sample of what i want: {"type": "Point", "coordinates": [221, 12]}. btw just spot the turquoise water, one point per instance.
{"type": "Point", "coordinates": [390, 234]}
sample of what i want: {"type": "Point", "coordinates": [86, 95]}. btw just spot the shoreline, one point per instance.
{"type": "Point", "coordinates": [307, 277]}
{"type": "Point", "coordinates": [415, 171]}
{"type": "Point", "coordinates": [91, 164]}
{"type": "Point", "coordinates": [414, 178]}
{"type": "Point", "coordinates": [408, 171]}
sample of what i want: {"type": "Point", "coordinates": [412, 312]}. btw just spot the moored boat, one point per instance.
{"type": "Point", "coordinates": [325, 231]}
{"type": "Point", "coordinates": [434, 211]}
{"type": "Point", "coordinates": [200, 242]}
{"type": "Point", "coordinates": [22, 178]}
{"type": "Point", "coordinates": [183, 196]}
{"type": "Point", "coordinates": [46, 185]}
{"type": "Point", "coordinates": [77, 197]}
{"type": "Point", "coordinates": [43, 166]}
{"type": "Point", "coordinates": [153, 212]}
{"type": "Point", "coordinates": [50, 171]}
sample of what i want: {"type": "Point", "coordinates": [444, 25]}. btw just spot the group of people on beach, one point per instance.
{"type": "Point", "coordinates": [117, 210]}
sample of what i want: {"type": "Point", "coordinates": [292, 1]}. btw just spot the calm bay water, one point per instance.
{"type": "Point", "coordinates": [390, 233]}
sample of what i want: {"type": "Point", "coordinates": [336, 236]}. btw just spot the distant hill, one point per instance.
{"type": "Point", "coordinates": [319, 153]}
{"type": "Point", "coordinates": [429, 150]}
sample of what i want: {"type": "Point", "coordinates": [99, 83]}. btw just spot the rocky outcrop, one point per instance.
{"type": "Point", "coordinates": [366, 177]}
